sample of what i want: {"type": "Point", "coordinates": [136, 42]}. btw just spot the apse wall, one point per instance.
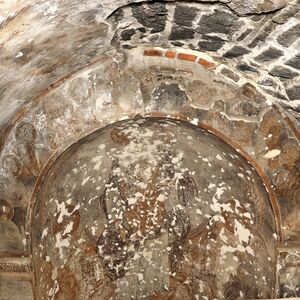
{"type": "Point", "coordinates": [153, 207]}
{"type": "Point", "coordinates": [68, 69]}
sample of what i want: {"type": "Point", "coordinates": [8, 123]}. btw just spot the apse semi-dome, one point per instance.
{"type": "Point", "coordinates": [153, 208]}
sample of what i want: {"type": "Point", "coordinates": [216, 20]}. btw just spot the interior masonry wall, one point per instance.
{"type": "Point", "coordinates": [70, 68]}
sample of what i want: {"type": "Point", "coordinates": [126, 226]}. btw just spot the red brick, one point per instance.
{"type": "Point", "coordinates": [152, 52]}
{"type": "Point", "coordinates": [188, 57]}
{"type": "Point", "coordinates": [170, 54]}
{"type": "Point", "coordinates": [206, 64]}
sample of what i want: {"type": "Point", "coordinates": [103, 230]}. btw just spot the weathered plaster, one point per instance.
{"type": "Point", "coordinates": [70, 68]}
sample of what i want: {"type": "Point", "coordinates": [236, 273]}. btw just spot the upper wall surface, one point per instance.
{"type": "Point", "coordinates": [68, 68]}
{"type": "Point", "coordinates": [42, 41]}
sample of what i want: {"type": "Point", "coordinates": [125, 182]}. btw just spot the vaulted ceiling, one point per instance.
{"type": "Point", "coordinates": [70, 68]}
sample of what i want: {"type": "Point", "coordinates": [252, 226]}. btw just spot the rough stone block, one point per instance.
{"type": "Point", "coordinates": [290, 36]}
{"type": "Point", "coordinates": [221, 21]}
{"type": "Point", "coordinates": [181, 33]}
{"type": "Point", "coordinates": [283, 73]}
{"type": "Point", "coordinates": [256, 6]}
{"type": "Point", "coordinates": [263, 34]}
{"type": "Point", "coordinates": [244, 34]}
{"type": "Point", "coordinates": [236, 51]}
{"type": "Point", "coordinates": [153, 15]}
{"type": "Point", "coordinates": [293, 92]}
{"type": "Point", "coordinates": [127, 34]}
{"type": "Point", "coordinates": [269, 54]}
{"type": "Point", "coordinates": [294, 62]}
{"type": "Point", "coordinates": [230, 74]}
{"type": "Point", "coordinates": [246, 68]}
{"type": "Point", "coordinates": [169, 95]}
{"type": "Point", "coordinates": [184, 15]}
{"type": "Point", "coordinates": [267, 82]}
{"type": "Point", "coordinates": [210, 43]}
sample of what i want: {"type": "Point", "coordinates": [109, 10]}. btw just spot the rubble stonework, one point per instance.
{"type": "Point", "coordinates": [191, 105]}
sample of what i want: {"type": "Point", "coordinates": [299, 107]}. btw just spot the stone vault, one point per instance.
{"type": "Point", "coordinates": [149, 149]}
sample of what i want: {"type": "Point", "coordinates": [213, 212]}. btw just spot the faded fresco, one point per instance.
{"type": "Point", "coordinates": [153, 209]}
{"type": "Point", "coordinates": [149, 209]}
